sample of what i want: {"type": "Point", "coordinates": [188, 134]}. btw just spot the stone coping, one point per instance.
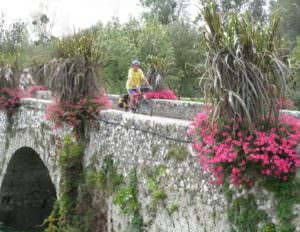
{"type": "Point", "coordinates": [173, 109]}
{"type": "Point", "coordinates": [169, 128]}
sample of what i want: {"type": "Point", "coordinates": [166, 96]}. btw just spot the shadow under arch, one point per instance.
{"type": "Point", "coordinates": [27, 193]}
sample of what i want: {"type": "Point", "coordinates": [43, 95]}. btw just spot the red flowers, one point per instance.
{"type": "Point", "coordinates": [85, 109]}
{"type": "Point", "coordinates": [230, 151]}
{"type": "Point", "coordinates": [165, 94]}
{"type": "Point", "coordinates": [10, 99]}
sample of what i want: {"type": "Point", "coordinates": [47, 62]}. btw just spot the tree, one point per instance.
{"type": "Point", "coordinates": [290, 11]}
{"type": "Point", "coordinates": [117, 48]}
{"type": "Point", "coordinates": [41, 24]}
{"type": "Point", "coordinates": [294, 90]}
{"type": "Point", "coordinates": [13, 43]}
{"type": "Point", "coordinates": [41, 27]}
{"type": "Point", "coordinates": [188, 52]}
{"type": "Point", "coordinates": [166, 11]}
{"type": "Point", "coordinates": [232, 4]}
{"type": "Point", "coordinates": [255, 7]}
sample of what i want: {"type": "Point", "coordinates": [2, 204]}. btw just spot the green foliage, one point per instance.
{"type": "Point", "coordinates": [189, 50]}
{"type": "Point", "coordinates": [70, 160]}
{"type": "Point", "coordinates": [107, 179]}
{"type": "Point", "coordinates": [244, 73]}
{"type": "Point", "coordinates": [290, 15]}
{"type": "Point", "coordinates": [118, 47]}
{"type": "Point", "coordinates": [255, 7]}
{"type": "Point", "coordinates": [173, 208]}
{"type": "Point", "coordinates": [155, 186]}
{"type": "Point", "coordinates": [294, 85]}
{"type": "Point", "coordinates": [156, 70]}
{"type": "Point", "coordinates": [53, 220]}
{"type": "Point", "coordinates": [269, 227]}
{"type": "Point", "coordinates": [79, 45]}
{"type": "Point", "coordinates": [93, 193]}
{"type": "Point", "coordinates": [13, 44]}
{"type": "Point", "coordinates": [229, 4]}
{"type": "Point", "coordinates": [244, 216]}
{"type": "Point", "coordinates": [177, 152]}
{"type": "Point", "coordinates": [166, 11]}
{"type": "Point", "coordinates": [154, 41]}
{"type": "Point", "coordinates": [287, 194]}
{"type": "Point", "coordinates": [127, 199]}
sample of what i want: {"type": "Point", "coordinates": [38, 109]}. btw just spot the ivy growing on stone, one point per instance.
{"type": "Point", "coordinates": [71, 166]}
{"type": "Point", "coordinates": [127, 199]}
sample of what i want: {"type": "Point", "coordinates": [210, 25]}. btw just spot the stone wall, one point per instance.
{"type": "Point", "coordinates": [147, 143]}
{"type": "Point", "coordinates": [162, 108]}
{"type": "Point", "coordinates": [133, 140]}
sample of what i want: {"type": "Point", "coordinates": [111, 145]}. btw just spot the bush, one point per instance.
{"type": "Point", "coordinates": [230, 150]}
{"type": "Point", "coordinates": [165, 94]}
{"type": "Point", "coordinates": [74, 114]}
{"type": "Point", "coordinates": [10, 99]}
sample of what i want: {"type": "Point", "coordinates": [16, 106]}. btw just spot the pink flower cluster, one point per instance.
{"type": "Point", "coordinates": [10, 99]}
{"type": "Point", "coordinates": [86, 109]}
{"type": "Point", "coordinates": [229, 151]}
{"type": "Point", "coordinates": [164, 94]}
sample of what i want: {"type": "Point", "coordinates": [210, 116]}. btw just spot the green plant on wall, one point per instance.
{"type": "Point", "coordinates": [127, 199]}
{"type": "Point", "coordinates": [177, 152]}
{"type": "Point", "coordinates": [155, 177]}
{"type": "Point", "coordinates": [98, 185]}
{"type": "Point", "coordinates": [71, 161]}
{"type": "Point", "coordinates": [287, 194]}
{"type": "Point", "coordinates": [244, 216]}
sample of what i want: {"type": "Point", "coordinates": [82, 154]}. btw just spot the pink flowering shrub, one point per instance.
{"type": "Point", "coordinates": [33, 89]}
{"type": "Point", "coordinates": [86, 109]}
{"type": "Point", "coordinates": [163, 94]}
{"type": "Point", "coordinates": [10, 99]}
{"type": "Point", "coordinates": [231, 152]}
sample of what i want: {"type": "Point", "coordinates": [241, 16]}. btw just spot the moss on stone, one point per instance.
{"type": "Point", "coordinates": [268, 227]}
{"type": "Point", "coordinates": [172, 208]}
{"type": "Point", "coordinates": [286, 194]}
{"type": "Point", "coordinates": [178, 153]}
{"type": "Point", "coordinates": [155, 186]}
{"type": "Point", "coordinates": [154, 150]}
{"type": "Point", "coordinates": [127, 199]}
{"type": "Point", "coordinates": [244, 216]}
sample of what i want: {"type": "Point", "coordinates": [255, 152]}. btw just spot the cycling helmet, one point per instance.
{"type": "Point", "coordinates": [136, 62]}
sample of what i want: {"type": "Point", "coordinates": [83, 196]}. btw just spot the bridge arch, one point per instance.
{"type": "Point", "coordinates": [27, 192]}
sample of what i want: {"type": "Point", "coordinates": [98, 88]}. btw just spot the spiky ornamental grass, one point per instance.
{"type": "Point", "coordinates": [6, 78]}
{"type": "Point", "coordinates": [244, 73]}
{"type": "Point", "coordinates": [157, 69]}
{"type": "Point", "coordinates": [73, 79]}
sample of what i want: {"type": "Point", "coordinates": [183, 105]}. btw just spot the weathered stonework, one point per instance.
{"type": "Point", "coordinates": [164, 108]}
{"type": "Point", "coordinates": [133, 140]}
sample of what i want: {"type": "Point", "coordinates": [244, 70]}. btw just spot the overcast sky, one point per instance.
{"type": "Point", "coordinates": [75, 14]}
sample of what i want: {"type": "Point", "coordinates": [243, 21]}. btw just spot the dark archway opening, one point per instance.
{"type": "Point", "coordinates": [27, 193]}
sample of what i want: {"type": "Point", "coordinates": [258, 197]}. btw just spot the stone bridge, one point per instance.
{"type": "Point", "coordinates": [30, 175]}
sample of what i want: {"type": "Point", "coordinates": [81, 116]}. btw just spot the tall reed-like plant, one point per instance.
{"type": "Point", "coordinates": [244, 71]}
{"type": "Point", "coordinates": [157, 69]}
